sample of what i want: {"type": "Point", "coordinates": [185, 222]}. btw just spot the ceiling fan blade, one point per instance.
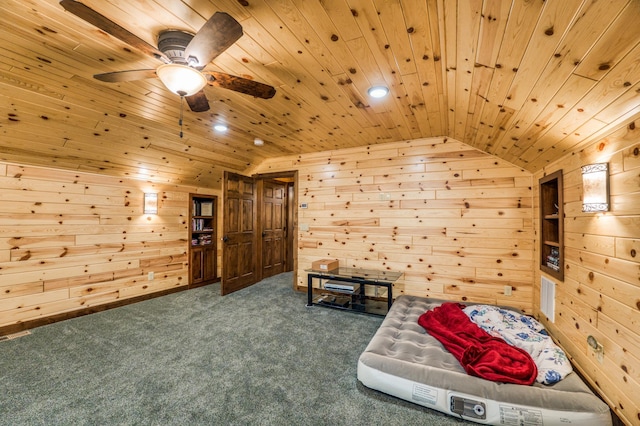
{"type": "Point", "coordinates": [239, 84]}
{"type": "Point", "coordinates": [215, 36]}
{"type": "Point", "coordinates": [198, 102]}
{"type": "Point", "coordinates": [122, 76]}
{"type": "Point", "coordinates": [97, 20]}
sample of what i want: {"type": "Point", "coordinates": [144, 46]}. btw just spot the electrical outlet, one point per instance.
{"type": "Point", "coordinates": [304, 227]}
{"type": "Point", "coordinates": [600, 353]}
{"type": "Point", "coordinates": [507, 290]}
{"type": "Point", "coordinates": [150, 276]}
{"type": "Point", "coordinates": [598, 350]}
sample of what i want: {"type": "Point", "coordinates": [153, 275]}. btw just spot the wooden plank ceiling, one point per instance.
{"type": "Point", "coordinates": [526, 80]}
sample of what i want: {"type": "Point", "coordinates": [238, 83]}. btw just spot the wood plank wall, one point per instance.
{"type": "Point", "coordinates": [71, 241]}
{"type": "Point", "coordinates": [458, 222]}
{"type": "Point", "coordinates": [600, 295]}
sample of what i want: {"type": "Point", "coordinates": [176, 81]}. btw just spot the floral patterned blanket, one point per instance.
{"type": "Point", "coordinates": [526, 333]}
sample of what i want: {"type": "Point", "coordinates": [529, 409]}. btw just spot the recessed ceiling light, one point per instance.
{"type": "Point", "coordinates": [220, 127]}
{"type": "Point", "coordinates": [378, 91]}
{"type": "Point", "coordinates": [258, 142]}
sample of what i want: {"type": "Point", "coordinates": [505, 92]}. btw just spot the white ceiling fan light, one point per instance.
{"type": "Point", "coordinates": [378, 91]}
{"type": "Point", "coordinates": [181, 79]}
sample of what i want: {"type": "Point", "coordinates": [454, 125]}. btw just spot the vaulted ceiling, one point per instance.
{"type": "Point", "coordinates": [525, 80]}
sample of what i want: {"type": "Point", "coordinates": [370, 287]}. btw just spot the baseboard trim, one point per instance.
{"type": "Point", "coordinates": [39, 322]}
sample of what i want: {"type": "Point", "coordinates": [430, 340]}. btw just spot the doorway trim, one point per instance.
{"type": "Point", "coordinates": [293, 174]}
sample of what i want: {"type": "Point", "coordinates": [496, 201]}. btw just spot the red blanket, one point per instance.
{"type": "Point", "coordinates": [480, 354]}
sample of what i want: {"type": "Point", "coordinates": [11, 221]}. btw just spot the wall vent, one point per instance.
{"type": "Point", "coordinates": [548, 298]}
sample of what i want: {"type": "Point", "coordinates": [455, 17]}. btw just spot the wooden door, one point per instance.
{"type": "Point", "coordinates": [273, 204]}
{"type": "Point", "coordinates": [240, 233]}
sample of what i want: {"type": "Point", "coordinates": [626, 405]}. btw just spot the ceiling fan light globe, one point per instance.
{"type": "Point", "coordinates": [181, 79]}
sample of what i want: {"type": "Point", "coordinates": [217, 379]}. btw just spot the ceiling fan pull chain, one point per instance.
{"type": "Point", "coordinates": [181, 109]}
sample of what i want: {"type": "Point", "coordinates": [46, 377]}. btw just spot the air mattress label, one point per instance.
{"type": "Point", "coordinates": [425, 394]}
{"type": "Point", "coordinates": [517, 416]}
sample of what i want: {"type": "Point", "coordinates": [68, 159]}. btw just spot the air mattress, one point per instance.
{"type": "Point", "coordinates": [404, 361]}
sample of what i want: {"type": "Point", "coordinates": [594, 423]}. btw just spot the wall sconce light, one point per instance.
{"type": "Point", "coordinates": [595, 187]}
{"type": "Point", "coordinates": [150, 203]}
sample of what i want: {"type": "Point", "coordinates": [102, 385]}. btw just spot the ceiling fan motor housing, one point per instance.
{"type": "Point", "coordinates": [173, 43]}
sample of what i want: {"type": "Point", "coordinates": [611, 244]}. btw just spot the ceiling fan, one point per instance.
{"type": "Point", "coordinates": [184, 57]}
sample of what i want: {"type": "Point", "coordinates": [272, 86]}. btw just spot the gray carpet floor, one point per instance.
{"type": "Point", "coordinates": [256, 357]}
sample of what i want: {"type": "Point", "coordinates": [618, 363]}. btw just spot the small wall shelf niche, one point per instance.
{"type": "Point", "coordinates": [202, 248]}
{"type": "Point", "coordinates": [552, 225]}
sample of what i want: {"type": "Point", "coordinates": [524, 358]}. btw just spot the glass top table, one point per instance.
{"type": "Point", "coordinates": [356, 299]}
{"type": "Point", "coordinates": [360, 274]}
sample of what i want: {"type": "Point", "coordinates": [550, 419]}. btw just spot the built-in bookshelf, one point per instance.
{"type": "Point", "coordinates": [552, 225]}
{"type": "Point", "coordinates": [203, 252]}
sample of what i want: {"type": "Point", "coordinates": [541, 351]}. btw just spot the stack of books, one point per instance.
{"type": "Point", "coordinates": [204, 239]}
{"type": "Point", "coordinates": [553, 259]}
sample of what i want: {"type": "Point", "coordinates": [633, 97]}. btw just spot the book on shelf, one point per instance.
{"type": "Point", "coordinates": [204, 239]}
{"type": "Point", "coordinates": [201, 225]}
{"type": "Point", "coordinates": [553, 259]}
{"type": "Point", "coordinates": [206, 208]}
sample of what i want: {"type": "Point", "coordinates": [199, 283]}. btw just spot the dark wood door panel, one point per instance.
{"type": "Point", "coordinates": [272, 207]}
{"type": "Point", "coordinates": [231, 270]}
{"type": "Point", "coordinates": [239, 233]}
{"type": "Point", "coordinates": [196, 271]}
{"type": "Point", "coordinates": [267, 217]}
{"type": "Point", "coordinates": [246, 259]}
{"type": "Point", "coordinates": [248, 220]}
{"type": "Point", "coordinates": [209, 264]}
{"type": "Point", "coordinates": [232, 216]}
